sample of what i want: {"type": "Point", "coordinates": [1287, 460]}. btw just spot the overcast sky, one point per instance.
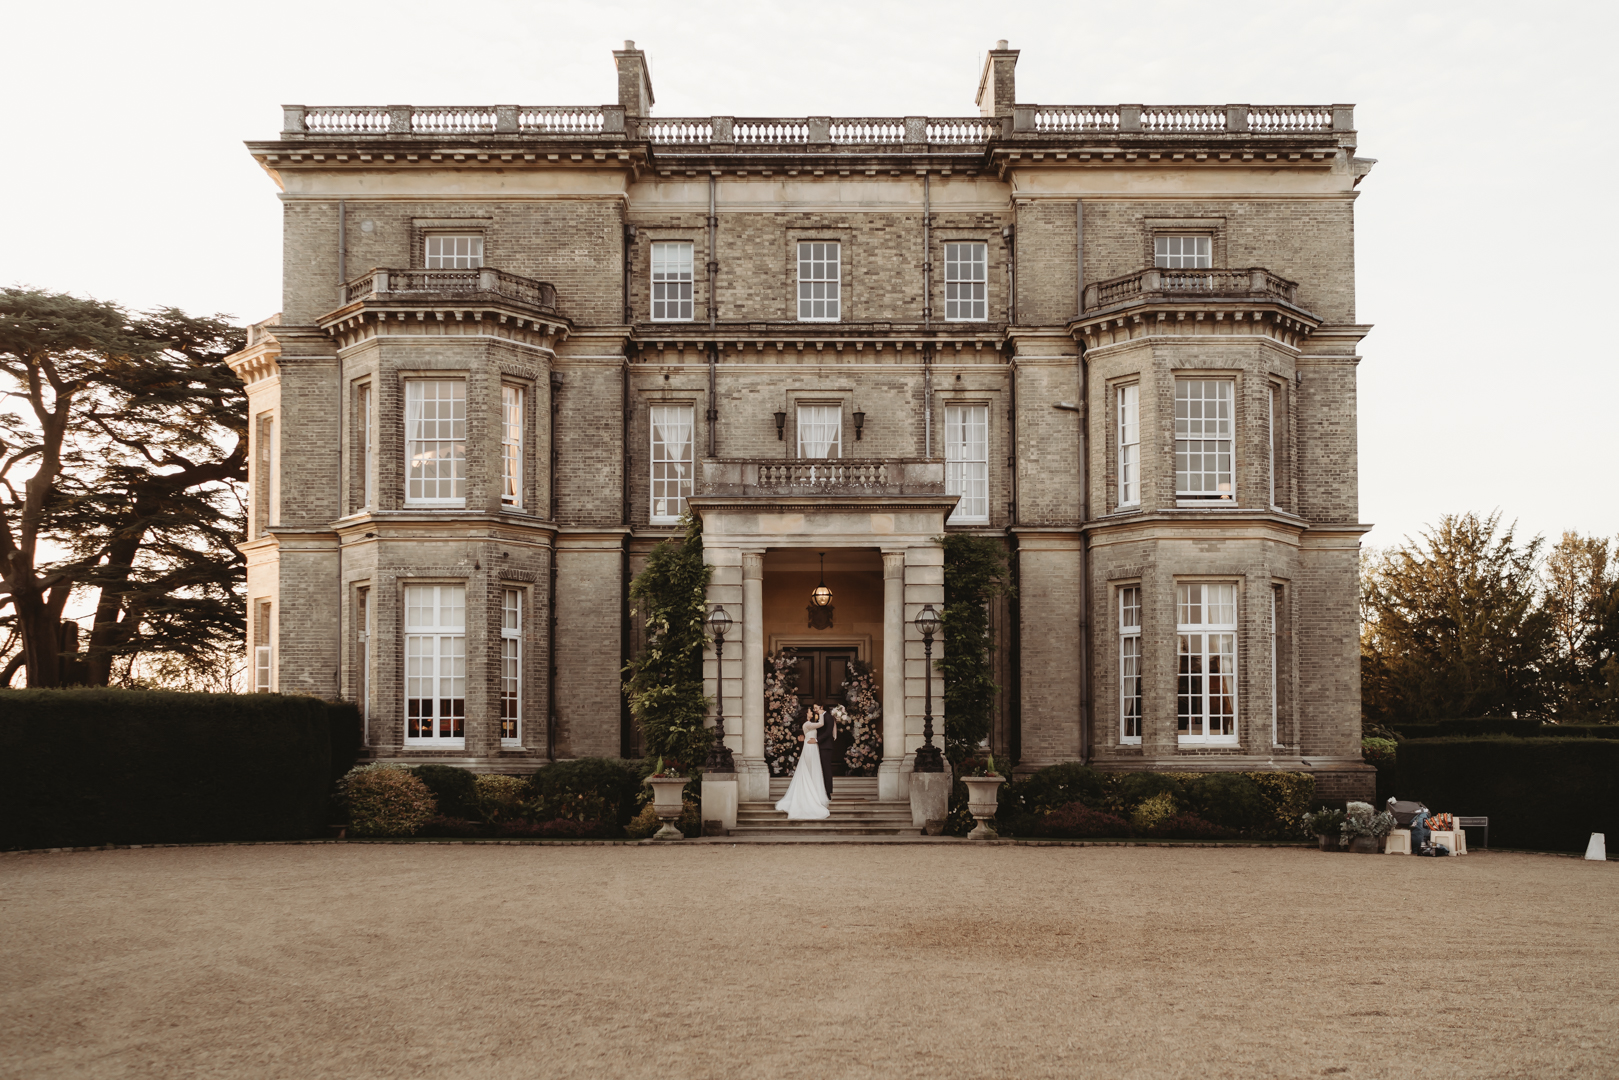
{"type": "Point", "coordinates": [1484, 235]}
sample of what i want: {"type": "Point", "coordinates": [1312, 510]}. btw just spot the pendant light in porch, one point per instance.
{"type": "Point", "coordinates": [820, 605]}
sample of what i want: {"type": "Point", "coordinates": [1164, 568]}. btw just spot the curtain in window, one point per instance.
{"type": "Point", "coordinates": [672, 459]}
{"type": "Point", "coordinates": [820, 431]}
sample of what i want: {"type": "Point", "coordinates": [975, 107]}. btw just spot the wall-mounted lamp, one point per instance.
{"type": "Point", "coordinates": [859, 423]}
{"type": "Point", "coordinates": [781, 426]}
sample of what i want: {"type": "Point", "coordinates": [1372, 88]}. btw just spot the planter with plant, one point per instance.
{"type": "Point", "coordinates": [1327, 826]}
{"type": "Point", "coordinates": [1363, 827]}
{"type": "Point", "coordinates": [668, 791]}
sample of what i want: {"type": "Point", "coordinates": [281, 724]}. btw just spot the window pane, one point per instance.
{"type": "Point", "coordinates": [820, 431]}
{"type": "Point", "coordinates": [435, 441]}
{"type": "Point", "coordinates": [673, 462]}
{"type": "Point", "coordinates": [454, 252]}
{"type": "Point", "coordinates": [966, 456]}
{"type": "Point", "coordinates": [435, 661]}
{"type": "Point", "coordinates": [1207, 691]}
{"type": "Point", "coordinates": [1203, 433]}
{"type": "Point", "coordinates": [1129, 445]}
{"type": "Point", "coordinates": [672, 281]}
{"type": "Point", "coordinates": [818, 281]}
{"type": "Point", "coordinates": [965, 277]}
{"type": "Point", "coordinates": [511, 445]}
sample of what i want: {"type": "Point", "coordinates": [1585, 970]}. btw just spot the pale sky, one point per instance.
{"type": "Point", "coordinates": [1488, 382]}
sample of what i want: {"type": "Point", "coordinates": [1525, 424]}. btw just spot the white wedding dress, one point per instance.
{"type": "Point", "coordinates": [806, 798]}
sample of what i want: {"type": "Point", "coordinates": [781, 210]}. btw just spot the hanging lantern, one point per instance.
{"type": "Point", "coordinates": [820, 605]}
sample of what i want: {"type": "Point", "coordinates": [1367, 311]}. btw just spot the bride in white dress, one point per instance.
{"type": "Point", "coordinates": [806, 794]}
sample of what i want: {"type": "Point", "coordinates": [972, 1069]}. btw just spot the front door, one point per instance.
{"type": "Point", "coordinates": [820, 682]}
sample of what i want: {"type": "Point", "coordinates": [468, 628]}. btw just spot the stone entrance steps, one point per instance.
{"type": "Point", "coordinates": [856, 811]}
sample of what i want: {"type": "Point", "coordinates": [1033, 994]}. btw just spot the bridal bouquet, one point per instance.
{"type": "Point", "coordinates": [784, 731]}
{"type": "Point", "coordinates": [865, 714]}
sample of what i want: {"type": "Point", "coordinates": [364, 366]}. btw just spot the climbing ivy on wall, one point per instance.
{"type": "Point", "coordinates": [975, 573]}
{"type": "Point", "coordinates": [665, 684]}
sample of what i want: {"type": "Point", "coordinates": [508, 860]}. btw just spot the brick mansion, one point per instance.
{"type": "Point", "coordinates": [518, 343]}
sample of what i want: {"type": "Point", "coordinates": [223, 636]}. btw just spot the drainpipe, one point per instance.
{"type": "Point", "coordinates": [629, 249]}
{"type": "Point", "coordinates": [342, 600]}
{"type": "Point", "coordinates": [713, 315]}
{"type": "Point", "coordinates": [927, 318]}
{"type": "Point", "coordinates": [551, 605]}
{"type": "Point", "coordinates": [342, 251]}
{"type": "Point", "coordinates": [1009, 237]}
{"type": "Point", "coordinates": [1084, 497]}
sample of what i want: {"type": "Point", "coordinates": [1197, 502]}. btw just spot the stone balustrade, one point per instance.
{"type": "Point", "coordinates": [847, 476]}
{"type": "Point", "coordinates": [1158, 283]}
{"type": "Point", "coordinates": [395, 284]}
{"type": "Point", "coordinates": [828, 132]}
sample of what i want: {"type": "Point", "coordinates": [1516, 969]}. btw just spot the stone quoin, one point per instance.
{"type": "Point", "coordinates": [518, 342]}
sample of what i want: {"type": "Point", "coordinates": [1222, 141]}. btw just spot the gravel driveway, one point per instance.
{"type": "Point", "coordinates": [818, 961]}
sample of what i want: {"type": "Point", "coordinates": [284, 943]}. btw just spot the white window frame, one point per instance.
{"type": "Point", "coordinates": [1129, 410]}
{"type": "Point", "coordinates": [263, 653]}
{"type": "Point", "coordinates": [362, 655]}
{"type": "Point", "coordinates": [447, 444]}
{"type": "Point", "coordinates": [820, 281]}
{"type": "Point", "coordinates": [816, 422]}
{"type": "Point", "coordinates": [672, 477]}
{"type": "Point", "coordinates": [511, 667]}
{"type": "Point", "coordinates": [1130, 665]}
{"type": "Point", "coordinates": [368, 443]}
{"type": "Point", "coordinates": [672, 279]}
{"type": "Point", "coordinates": [452, 251]}
{"type": "Point", "coordinates": [1183, 251]}
{"type": "Point", "coordinates": [1275, 730]}
{"type": "Point", "coordinates": [511, 445]}
{"type": "Point", "coordinates": [1270, 439]}
{"type": "Point", "coordinates": [436, 662]}
{"type": "Point", "coordinates": [1206, 663]}
{"type": "Point", "coordinates": [966, 461]}
{"type": "Point", "coordinates": [966, 281]}
{"type": "Point", "coordinates": [1205, 447]}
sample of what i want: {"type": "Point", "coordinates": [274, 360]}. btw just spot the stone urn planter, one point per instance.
{"type": "Point", "coordinates": [667, 803]}
{"type": "Point", "coordinates": [983, 793]}
{"type": "Point", "coordinates": [1328, 843]}
{"type": "Point", "coordinates": [1363, 845]}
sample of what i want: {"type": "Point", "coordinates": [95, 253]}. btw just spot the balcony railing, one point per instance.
{"type": "Point", "coordinates": [1157, 283]}
{"type": "Point", "coordinates": [819, 132]}
{"type": "Point", "coordinates": [485, 282]}
{"type": "Point", "coordinates": [854, 476]}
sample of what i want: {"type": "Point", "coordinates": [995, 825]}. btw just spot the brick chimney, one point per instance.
{"type": "Point", "coordinates": [634, 80]}
{"type": "Point", "coordinates": [997, 87]}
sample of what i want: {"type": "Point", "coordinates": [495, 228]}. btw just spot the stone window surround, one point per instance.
{"type": "Point", "coordinates": [844, 237]}
{"type": "Point", "coordinates": [1212, 227]}
{"type": "Point", "coordinates": [844, 399]}
{"type": "Point", "coordinates": [420, 228]}
{"type": "Point", "coordinates": [645, 237]}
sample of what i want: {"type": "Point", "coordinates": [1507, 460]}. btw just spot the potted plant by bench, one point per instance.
{"type": "Point", "coordinates": [1327, 826]}
{"type": "Point", "coordinates": [983, 796]}
{"type": "Point", "coordinates": [1363, 827]}
{"type": "Point", "coordinates": [668, 789]}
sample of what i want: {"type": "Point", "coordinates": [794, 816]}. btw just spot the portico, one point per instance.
{"type": "Point", "coordinates": [894, 510]}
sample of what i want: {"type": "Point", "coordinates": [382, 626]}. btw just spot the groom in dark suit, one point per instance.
{"type": "Point", "coordinates": [832, 745]}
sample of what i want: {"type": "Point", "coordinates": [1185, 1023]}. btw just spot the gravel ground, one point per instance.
{"type": "Point", "coordinates": [825, 961]}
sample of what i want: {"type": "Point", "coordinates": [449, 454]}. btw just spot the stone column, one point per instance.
{"type": "Point", "coordinates": [752, 772]}
{"type": "Point", "coordinates": [890, 774]}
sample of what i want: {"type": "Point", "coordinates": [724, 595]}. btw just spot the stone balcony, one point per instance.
{"type": "Point", "coordinates": [483, 300]}
{"type": "Point", "coordinates": [858, 477]}
{"type": "Point", "coordinates": [1182, 302]}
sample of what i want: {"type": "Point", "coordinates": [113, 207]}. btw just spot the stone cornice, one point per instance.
{"type": "Point", "coordinates": [353, 324]}
{"type": "Point", "coordinates": [1200, 321]}
{"type": "Point", "coordinates": [1187, 524]}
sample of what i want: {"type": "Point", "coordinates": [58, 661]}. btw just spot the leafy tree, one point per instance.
{"type": "Point", "coordinates": [135, 429]}
{"type": "Point", "coordinates": [1452, 625]}
{"type": "Point", "coordinates": [1582, 600]}
{"type": "Point", "coordinates": [975, 572]}
{"type": "Point", "coordinates": [665, 685]}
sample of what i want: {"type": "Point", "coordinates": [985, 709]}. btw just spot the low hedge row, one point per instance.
{"type": "Point", "coordinates": [1523, 729]}
{"type": "Point", "coordinates": [1539, 793]}
{"type": "Point", "coordinates": [1074, 800]}
{"type": "Point", "coordinates": [81, 767]}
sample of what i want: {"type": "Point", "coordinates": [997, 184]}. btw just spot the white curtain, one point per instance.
{"type": "Point", "coordinates": [820, 431]}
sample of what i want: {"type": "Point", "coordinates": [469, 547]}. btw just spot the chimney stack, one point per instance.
{"type": "Point", "coordinates": [634, 80]}
{"type": "Point", "coordinates": [997, 87]}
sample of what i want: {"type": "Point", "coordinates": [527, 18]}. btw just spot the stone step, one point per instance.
{"type": "Point", "coordinates": [818, 829]}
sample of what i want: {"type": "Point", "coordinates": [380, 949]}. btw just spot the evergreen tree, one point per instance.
{"type": "Point", "coordinates": [975, 573]}
{"type": "Point", "coordinates": [135, 430]}
{"type": "Point", "coordinates": [1582, 600]}
{"type": "Point", "coordinates": [665, 685]}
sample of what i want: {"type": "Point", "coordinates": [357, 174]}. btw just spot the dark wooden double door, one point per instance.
{"type": "Point", "coordinates": [820, 682]}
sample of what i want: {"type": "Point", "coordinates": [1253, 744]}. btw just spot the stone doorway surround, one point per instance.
{"type": "Point", "coordinates": [895, 507]}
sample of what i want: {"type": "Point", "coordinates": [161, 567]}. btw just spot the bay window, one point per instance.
{"type": "Point", "coordinates": [435, 664]}
{"type": "Point", "coordinates": [1206, 632]}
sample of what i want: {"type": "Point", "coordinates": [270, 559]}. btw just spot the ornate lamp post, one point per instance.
{"type": "Point", "coordinates": [719, 755]}
{"type": "Point", "coordinates": [928, 758]}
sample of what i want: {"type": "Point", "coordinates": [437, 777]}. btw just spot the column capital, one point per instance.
{"type": "Point", "coordinates": [894, 564]}
{"type": "Point", "coordinates": [753, 565]}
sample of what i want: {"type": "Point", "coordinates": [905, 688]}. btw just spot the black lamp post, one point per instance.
{"type": "Point", "coordinates": [928, 758]}
{"type": "Point", "coordinates": [719, 755]}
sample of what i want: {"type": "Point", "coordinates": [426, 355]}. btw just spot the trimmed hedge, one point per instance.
{"type": "Point", "coordinates": [83, 767]}
{"type": "Point", "coordinates": [1523, 729]}
{"type": "Point", "coordinates": [1540, 794]}
{"type": "Point", "coordinates": [1251, 804]}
